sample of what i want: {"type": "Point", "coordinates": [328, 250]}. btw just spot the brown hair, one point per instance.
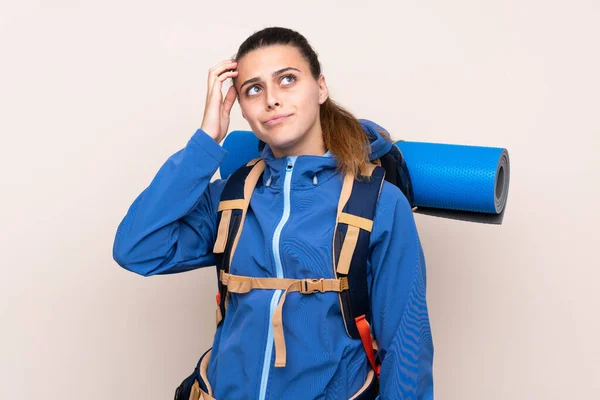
{"type": "Point", "coordinates": [342, 133]}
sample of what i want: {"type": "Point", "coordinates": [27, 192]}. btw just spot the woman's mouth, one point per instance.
{"type": "Point", "coordinates": [277, 120]}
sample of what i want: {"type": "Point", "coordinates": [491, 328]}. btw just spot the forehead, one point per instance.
{"type": "Point", "coordinates": [264, 61]}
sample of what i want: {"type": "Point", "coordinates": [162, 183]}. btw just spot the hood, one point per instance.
{"type": "Point", "coordinates": [379, 145]}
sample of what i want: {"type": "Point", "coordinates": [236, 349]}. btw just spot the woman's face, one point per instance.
{"type": "Point", "coordinates": [280, 99]}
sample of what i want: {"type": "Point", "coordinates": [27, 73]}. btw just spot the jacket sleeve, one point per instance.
{"type": "Point", "coordinates": [171, 225]}
{"type": "Point", "coordinates": [400, 317]}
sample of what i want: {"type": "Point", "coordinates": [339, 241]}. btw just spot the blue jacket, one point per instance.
{"type": "Point", "coordinates": [171, 227]}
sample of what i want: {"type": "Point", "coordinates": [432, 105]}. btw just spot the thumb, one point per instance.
{"type": "Point", "coordinates": [229, 100]}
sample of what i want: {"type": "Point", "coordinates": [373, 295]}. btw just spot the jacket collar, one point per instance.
{"type": "Point", "coordinates": [311, 171]}
{"type": "Point", "coordinates": [308, 171]}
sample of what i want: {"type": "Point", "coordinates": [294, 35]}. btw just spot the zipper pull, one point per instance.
{"type": "Point", "coordinates": [290, 165]}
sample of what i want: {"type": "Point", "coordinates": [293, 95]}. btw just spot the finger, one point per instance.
{"type": "Point", "coordinates": [228, 74]}
{"type": "Point", "coordinates": [229, 100]}
{"type": "Point", "coordinates": [213, 80]}
{"type": "Point", "coordinates": [218, 84]}
{"type": "Point", "coordinates": [224, 62]}
{"type": "Point", "coordinates": [222, 66]}
{"type": "Point", "coordinates": [219, 69]}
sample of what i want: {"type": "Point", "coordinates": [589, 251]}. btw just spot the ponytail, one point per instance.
{"type": "Point", "coordinates": [344, 137]}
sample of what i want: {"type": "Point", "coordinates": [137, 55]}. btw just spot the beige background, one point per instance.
{"type": "Point", "coordinates": [94, 96]}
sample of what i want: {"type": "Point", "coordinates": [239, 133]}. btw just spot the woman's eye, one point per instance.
{"type": "Point", "coordinates": [249, 91]}
{"type": "Point", "coordinates": [289, 78]}
{"type": "Point", "coordinates": [285, 80]}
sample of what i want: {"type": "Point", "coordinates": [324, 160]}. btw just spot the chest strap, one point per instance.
{"type": "Point", "coordinates": [244, 284]}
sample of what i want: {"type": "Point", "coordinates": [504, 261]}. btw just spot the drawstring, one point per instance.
{"type": "Point", "coordinates": [269, 180]}
{"type": "Point", "coordinates": [315, 180]}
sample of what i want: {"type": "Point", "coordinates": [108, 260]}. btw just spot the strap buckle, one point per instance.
{"type": "Point", "coordinates": [309, 286]}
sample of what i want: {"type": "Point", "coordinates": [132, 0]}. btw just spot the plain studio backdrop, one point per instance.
{"type": "Point", "coordinates": [94, 96]}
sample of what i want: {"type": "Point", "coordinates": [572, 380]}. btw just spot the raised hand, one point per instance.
{"type": "Point", "coordinates": [217, 110]}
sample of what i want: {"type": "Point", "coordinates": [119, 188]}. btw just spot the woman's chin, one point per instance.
{"type": "Point", "coordinates": [280, 141]}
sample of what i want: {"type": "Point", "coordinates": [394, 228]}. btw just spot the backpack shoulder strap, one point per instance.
{"type": "Point", "coordinates": [356, 211]}
{"type": "Point", "coordinates": [233, 206]}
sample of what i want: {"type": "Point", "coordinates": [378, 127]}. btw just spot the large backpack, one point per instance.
{"type": "Point", "coordinates": [356, 212]}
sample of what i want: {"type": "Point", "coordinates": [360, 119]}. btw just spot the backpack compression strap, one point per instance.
{"type": "Point", "coordinates": [356, 211]}
{"type": "Point", "coordinates": [235, 199]}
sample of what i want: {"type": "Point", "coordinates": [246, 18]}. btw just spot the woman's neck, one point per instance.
{"type": "Point", "coordinates": [310, 144]}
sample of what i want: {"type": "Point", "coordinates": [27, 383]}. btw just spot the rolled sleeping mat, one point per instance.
{"type": "Point", "coordinates": [468, 183]}
{"type": "Point", "coordinates": [241, 147]}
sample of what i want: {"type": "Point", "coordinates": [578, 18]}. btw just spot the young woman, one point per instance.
{"type": "Point", "coordinates": [312, 146]}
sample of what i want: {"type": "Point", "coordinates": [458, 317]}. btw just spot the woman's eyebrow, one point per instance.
{"type": "Point", "coordinates": [280, 71]}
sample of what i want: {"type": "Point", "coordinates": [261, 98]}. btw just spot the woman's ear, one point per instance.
{"type": "Point", "coordinates": [323, 90]}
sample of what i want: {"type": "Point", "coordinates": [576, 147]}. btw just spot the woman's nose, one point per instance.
{"type": "Point", "coordinates": [272, 99]}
